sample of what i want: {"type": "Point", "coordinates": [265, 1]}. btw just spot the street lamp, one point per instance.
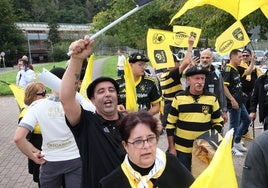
{"type": "Point", "coordinates": [29, 46]}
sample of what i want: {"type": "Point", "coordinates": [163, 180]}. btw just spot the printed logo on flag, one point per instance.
{"type": "Point", "coordinates": [226, 46]}
{"type": "Point", "coordinates": [160, 56]}
{"type": "Point", "coordinates": [238, 34]}
{"type": "Point", "coordinates": [158, 38]}
{"type": "Point", "coordinates": [179, 37]}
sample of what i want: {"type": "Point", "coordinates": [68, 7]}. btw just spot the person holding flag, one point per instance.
{"type": "Point", "coordinates": [147, 91]}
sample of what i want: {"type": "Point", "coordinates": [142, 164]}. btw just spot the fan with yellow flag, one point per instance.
{"type": "Point", "coordinates": [234, 37]}
{"type": "Point", "coordinates": [87, 78]}
{"type": "Point", "coordinates": [131, 94]}
{"type": "Point", "coordinates": [220, 173]}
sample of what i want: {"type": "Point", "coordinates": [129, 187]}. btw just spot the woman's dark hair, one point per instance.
{"type": "Point", "coordinates": [130, 121]}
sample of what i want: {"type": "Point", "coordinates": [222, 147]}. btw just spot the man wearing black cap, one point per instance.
{"type": "Point", "coordinates": [248, 75]}
{"type": "Point", "coordinates": [60, 155]}
{"type": "Point", "coordinates": [96, 134]}
{"type": "Point", "coordinates": [148, 92]}
{"type": "Point", "coordinates": [193, 112]}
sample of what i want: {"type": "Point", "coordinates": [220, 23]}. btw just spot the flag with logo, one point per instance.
{"type": "Point", "coordinates": [182, 33]}
{"type": "Point", "coordinates": [158, 48]}
{"type": "Point", "coordinates": [88, 77]}
{"type": "Point", "coordinates": [131, 94]}
{"type": "Point", "coordinates": [220, 173]}
{"type": "Point", "coordinates": [234, 37]}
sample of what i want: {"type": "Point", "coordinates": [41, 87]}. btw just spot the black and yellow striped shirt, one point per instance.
{"type": "Point", "coordinates": [190, 116]}
{"type": "Point", "coordinates": [170, 83]}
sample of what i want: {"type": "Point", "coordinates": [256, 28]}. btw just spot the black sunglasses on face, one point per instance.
{"type": "Point", "coordinates": [245, 55]}
{"type": "Point", "coordinates": [42, 94]}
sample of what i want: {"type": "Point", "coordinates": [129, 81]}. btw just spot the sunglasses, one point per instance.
{"type": "Point", "coordinates": [245, 55]}
{"type": "Point", "coordinates": [42, 94]}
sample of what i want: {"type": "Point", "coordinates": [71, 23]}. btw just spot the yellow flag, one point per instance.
{"type": "Point", "coordinates": [237, 8]}
{"type": "Point", "coordinates": [131, 94]}
{"type": "Point", "coordinates": [158, 50]}
{"type": "Point", "coordinates": [264, 10]}
{"type": "Point", "coordinates": [220, 173]}
{"type": "Point", "coordinates": [18, 92]}
{"type": "Point", "coordinates": [234, 37]}
{"type": "Point", "coordinates": [182, 33]}
{"type": "Point", "coordinates": [88, 77]}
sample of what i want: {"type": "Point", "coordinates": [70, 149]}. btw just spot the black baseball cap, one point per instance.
{"type": "Point", "coordinates": [91, 87]}
{"type": "Point", "coordinates": [197, 69]}
{"type": "Point", "coordinates": [133, 58]}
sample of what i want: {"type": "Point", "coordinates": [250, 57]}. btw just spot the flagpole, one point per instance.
{"type": "Point", "coordinates": [113, 24]}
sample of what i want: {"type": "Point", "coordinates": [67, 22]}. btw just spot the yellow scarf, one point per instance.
{"type": "Point", "coordinates": [136, 179]}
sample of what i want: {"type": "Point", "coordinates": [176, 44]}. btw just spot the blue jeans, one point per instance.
{"type": "Point", "coordinates": [239, 120]}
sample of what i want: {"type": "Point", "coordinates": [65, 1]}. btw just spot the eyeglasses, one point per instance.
{"type": "Point", "coordinates": [42, 94]}
{"type": "Point", "coordinates": [151, 140]}
{"type": "Point", "coordinates": [245, 55]}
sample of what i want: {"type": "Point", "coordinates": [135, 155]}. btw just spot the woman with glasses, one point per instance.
{"type": "Point", "coordinates": [145, 165]}
{"type": "Point", "coordinates": [33, 91]}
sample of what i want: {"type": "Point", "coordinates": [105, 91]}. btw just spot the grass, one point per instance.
{"type": "Point", "coordinates": [109, 69]}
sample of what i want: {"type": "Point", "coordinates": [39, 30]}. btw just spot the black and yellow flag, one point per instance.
{"type": "Point", "coordinates": [182, 33]}
{"type": "Point", "coordinates": [234, 37]}
{"type": "Point", "coordinates": [159, 53]}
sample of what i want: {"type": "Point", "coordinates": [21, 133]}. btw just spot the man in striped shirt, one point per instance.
{"type": "Point", "coordinates": [193, 112]}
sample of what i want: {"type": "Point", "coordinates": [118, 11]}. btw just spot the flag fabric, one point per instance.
{"type": "Point", "coordinates": [18, 93]}
{"type": "Point", "coordinates": [131, 94]}
{"type": "Point", "coordinates": [237, 8]}
{"type": "Point", "coordinates": [220, 173]}
{"type": "Point", "coordinates": [88, 77]}
{"type": "Point", "coordinates": [182, 33]}
{"type": "Point", "coordinates": [264, 10]}
{"type": "Point", "coordinates": [159, 42]}
{"type": "Point", "coordinates": [158, 48]}
{"type": "Point", "coordinates": [232, 38]}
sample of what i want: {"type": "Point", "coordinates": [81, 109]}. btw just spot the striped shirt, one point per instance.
{"type": "Point", "coordinates": [190, 116]}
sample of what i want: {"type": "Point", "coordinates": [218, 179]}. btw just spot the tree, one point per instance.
{"type": "Point", "coordinates": [12, 39]}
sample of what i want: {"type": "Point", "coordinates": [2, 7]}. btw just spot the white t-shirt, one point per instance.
{"type": "Point", "coordinates": [25, 77]}
{"type": "Point", "coordinates": [121, 61]}
{"type": "Point", "coordinates": [58, 141]}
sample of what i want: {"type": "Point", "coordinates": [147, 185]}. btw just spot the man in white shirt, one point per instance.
{"type": "Point", "coordinates": [120, 63]}
{"type": "Point", "coordinates": [25, 74]}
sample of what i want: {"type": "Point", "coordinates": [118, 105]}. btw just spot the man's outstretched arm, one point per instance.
{"type": "Point", "coordinates": [81, 50]}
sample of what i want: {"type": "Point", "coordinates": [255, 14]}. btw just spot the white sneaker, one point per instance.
{"type": "Point", "coordinates": [240, 147]}
{"type": "Point", "coordinates": [235, 152]}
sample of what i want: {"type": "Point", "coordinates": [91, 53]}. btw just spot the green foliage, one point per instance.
{"type": "Point", "coordinates": [60, 51]}
{"type": "Point", "coordinates": [11, 37]}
